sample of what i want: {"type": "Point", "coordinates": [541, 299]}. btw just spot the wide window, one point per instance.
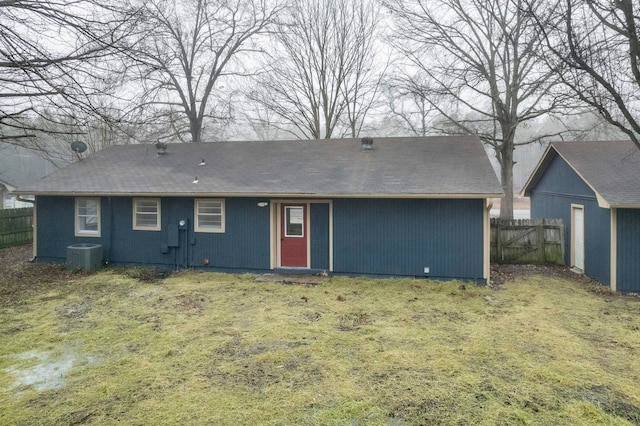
{"type": "Point", "coordinates": [146, 214]}
{"type": "Point", "coordinates": [87, 217]}
{"type": "Point", "coordinates": [209, 215]}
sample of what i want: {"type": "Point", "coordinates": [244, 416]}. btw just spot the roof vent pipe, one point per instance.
{"type": "Point", "coordinates": [161, 148]}
{"type": "Point", "coordinates": [367, 144]}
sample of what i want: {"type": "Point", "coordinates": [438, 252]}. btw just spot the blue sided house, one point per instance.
{"type": "Point", "coordinates": [595, 188]}
{"type": "Point", "coordinates": [386, 207]}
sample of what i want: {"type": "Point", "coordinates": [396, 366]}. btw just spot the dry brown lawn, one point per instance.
{"type": "Point", "coordinates": [203, 348]}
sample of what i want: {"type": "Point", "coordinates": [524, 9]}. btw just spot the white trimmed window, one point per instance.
{"type": "Point", "coordinates": [209, 215]}
{"type": "Point", "coordinates": [87, 217]}
{"type": "Point", "coordinates": [146, 214]}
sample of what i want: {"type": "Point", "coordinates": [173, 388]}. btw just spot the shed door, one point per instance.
{"type": "Point", "coordinates": [293, 235]}
{"type": "Point", "coordinates": [577, 236]}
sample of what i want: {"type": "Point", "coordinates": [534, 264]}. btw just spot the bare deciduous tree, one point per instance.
{"type": "Point", "coordinates": [410, 109]}
{"type": "Point", "coordinates": [52, 63]}
{"type": "Point", "coordinates": [325, 76]}
{"type": "Point", "coordinates": [476, 63]}
{"type": "Point", "coordinates": [596, 42]}
{"type": "Point", "coordinates": [184, 53]}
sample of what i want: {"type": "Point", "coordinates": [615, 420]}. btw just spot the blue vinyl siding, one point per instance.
{"type": "Point", "coordinates": [552, 198]}
{"type": "Point", "coordinates": [123, 244]}
{"type": "Point", "coordinates": [56, 227]}
{"type": "Point", "coordinates": [628, 250]}
{"type": "Point", "coordinates": [371, 236]}
{"type": "Point", "coordinates": [243, 245]}
{"type": "Point", "coordinates": [320, 236]}
{"type": "Point", "coordinates": [245, 242]}
{"type": "Point", "coordinates": [401, 237]}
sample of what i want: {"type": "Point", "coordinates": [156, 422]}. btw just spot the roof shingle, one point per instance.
{"type": "Point", "coordinates": [610, 168]}
{"type": "Point", "coordinates": [396, 167]}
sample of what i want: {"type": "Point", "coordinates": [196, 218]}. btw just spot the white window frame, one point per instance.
{"type": "Point", "coordinates": [287, 215]}
{"type": "Point", "coordinates": [157, 226]}
{"type": "Point", "coordinates": [83, 232]}
{"type": "Point", "coordinates": [196, 207]}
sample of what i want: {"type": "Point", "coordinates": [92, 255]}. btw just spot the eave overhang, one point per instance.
{"type": "Point", "coordinates": [258, 195]}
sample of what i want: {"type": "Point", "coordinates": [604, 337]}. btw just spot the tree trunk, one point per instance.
{"type": "Point", "coordinates": [506, 175]}
{"type": "Point", "coordinates": [196, 129]}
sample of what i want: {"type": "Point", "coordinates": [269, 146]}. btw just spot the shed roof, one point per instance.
{"type": "Point", "coordinates": [610, 168]}
{"type": "Point", "coordinates": [396, 167]}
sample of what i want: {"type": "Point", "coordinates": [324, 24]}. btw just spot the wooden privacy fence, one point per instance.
{"type": "Point", "coordinates": [527, 241]}
{"type": "Point", "coordinates": [16, 227]}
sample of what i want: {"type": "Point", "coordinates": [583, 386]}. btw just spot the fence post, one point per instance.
{"type": "Point", "coordinates": [498, 240]}
{"type": "Point", "coordinates": [542, 243]}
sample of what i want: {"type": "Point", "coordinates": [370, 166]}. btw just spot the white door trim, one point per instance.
{"type": "Point", "coordinates": [613, 280]}
{"type": "Point", "coordinates": [275, 229]}
{"type": "Point", "coordinates": [577, 237]}
{"type": "Point", "coordinates": [307, 230]}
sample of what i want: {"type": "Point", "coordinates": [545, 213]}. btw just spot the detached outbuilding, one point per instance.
{"type": "Point", "coordinates": [389, 207]}
{"type": "Point", "coordinates": [595, 188]}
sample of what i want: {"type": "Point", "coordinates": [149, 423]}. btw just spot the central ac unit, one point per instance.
{"type": "Point", "coordinates": [87, 256]}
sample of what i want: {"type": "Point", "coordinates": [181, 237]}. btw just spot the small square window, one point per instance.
{"type": "Point", "coordinates": [146, 214]}
{"type": "Point", "coordinates": [87, 217]}
{"type": "Point", "coordinates": [209, 215]}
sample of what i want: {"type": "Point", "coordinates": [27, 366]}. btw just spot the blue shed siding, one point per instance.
{"type": "Point", "coordinates": [628, 250]}
{"type": "Point", "coordinates": [597, 244]}
{"type": "Point", "coordinates": [320, 236]}
{"type": "Point", "coordinates": [552, 197]}
{"type": "Point", "coordinates": [561, 179]}
{"type": "Point", "coordinates": [401, 237]}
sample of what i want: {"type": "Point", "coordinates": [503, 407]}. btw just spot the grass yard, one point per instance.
{"type": "Point", "coordinates": [203, 348]}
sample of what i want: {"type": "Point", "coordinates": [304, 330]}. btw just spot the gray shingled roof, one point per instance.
{"type": "Point", "coordinates": [19, 166]}
{"type": "Point", "coordinates": [610, 168]}
{"type": "Point", "coordinates": [406, 167]}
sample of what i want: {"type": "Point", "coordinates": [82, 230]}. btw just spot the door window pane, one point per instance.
{"type": "Point", "coordinates": [294, 221]}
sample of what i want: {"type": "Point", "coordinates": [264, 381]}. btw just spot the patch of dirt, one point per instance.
{"type": "Point", "coordinates": [13, 255]}
{"type": "Point", "coordinates": [424, 409]}
{"type": "Point", "coordinates": [501, 274]}
{"type": "Point", "coordinates": [146, 275]}
{"type": "Point", "coordinates": [19, 277]}
{"type": "Point", "coordinates": [74, 309]}
{"type": "Point", "coordinates": [612, 402]}
{"type": "Point", "coordinates": [353, 321]}
{"type": "Point", "coordinates": [303, 279]}
{"type": "Point", "coordinates": [254, 374]}
{"type": "Point", "coordinates": [192, 301]}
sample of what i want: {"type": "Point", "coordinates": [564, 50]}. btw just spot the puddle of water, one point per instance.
{"type": "Point", "coordinates": [50, 371]}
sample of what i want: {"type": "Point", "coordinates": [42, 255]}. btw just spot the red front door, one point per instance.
{"type": "Point", "coordinates": [293, 235]}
